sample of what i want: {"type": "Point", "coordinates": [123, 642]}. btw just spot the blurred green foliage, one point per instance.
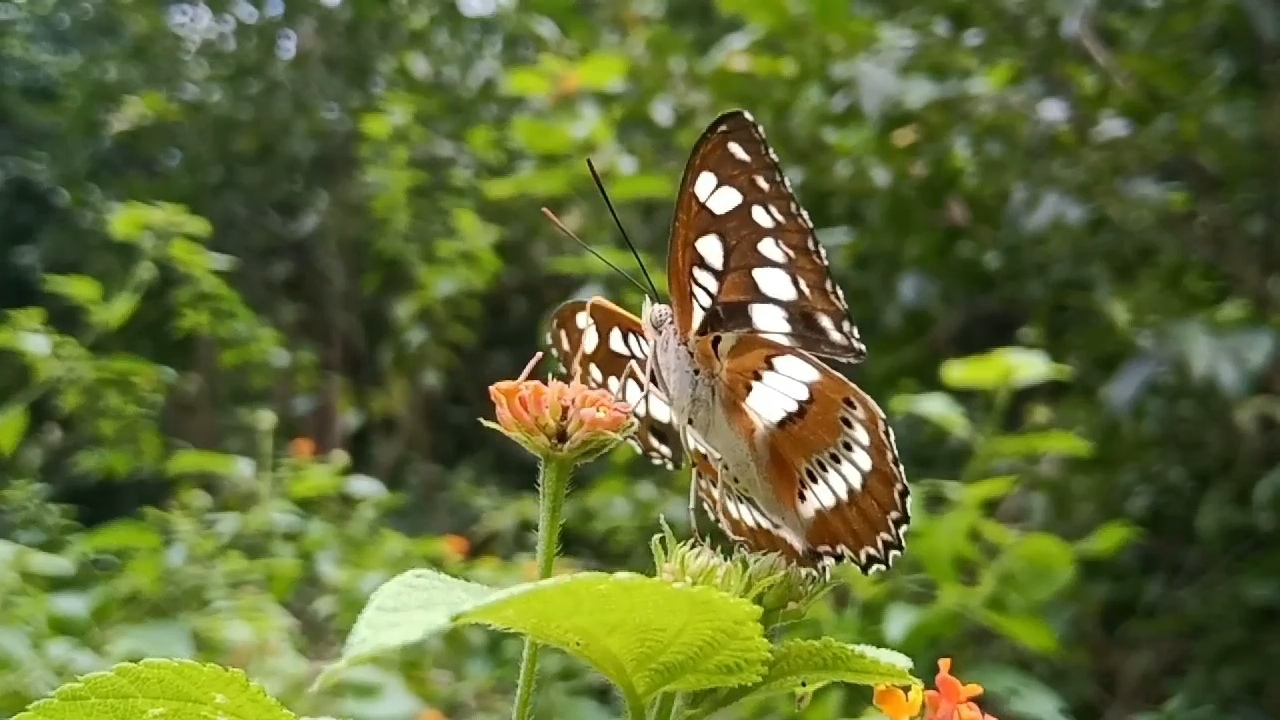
{"type": "Point", "coordinates": [227, 224]}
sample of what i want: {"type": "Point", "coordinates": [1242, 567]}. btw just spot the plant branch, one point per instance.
{"type": "Point", "coordinates": [553, 485]}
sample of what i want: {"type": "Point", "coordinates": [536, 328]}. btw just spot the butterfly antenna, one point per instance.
{"type": "Point", "coordinates": [564, 229]}
{"type": "Point", "coordinates": [609, 204]}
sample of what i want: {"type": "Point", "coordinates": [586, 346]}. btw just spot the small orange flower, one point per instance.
{"type": "Point", "coordinates": [457, 545]}
{"type": "Point", "coordinates": [302, 448]}
{"type": "Point", "coordinates": [953, 700]}
{"type": "Point", "coordinates": [896, 704]}
{"type": "Point", "coordinates": [556, 418]}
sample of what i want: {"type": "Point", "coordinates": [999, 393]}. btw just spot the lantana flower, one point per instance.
{"type": "Point", "coordinates": [952, 700]}
{"type": "Point", "coordinates": [556, 419]}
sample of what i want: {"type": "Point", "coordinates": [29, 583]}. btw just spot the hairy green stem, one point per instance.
{"type": "Point", "coordinates": [665, 707]}
{"type": "Point", "coordinates": [553, 486]}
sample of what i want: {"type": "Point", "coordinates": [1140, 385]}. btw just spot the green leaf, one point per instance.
{"type": "Point", "coordinates": [645, 635]}
{"type": "Point", "coordinates": [988, 489]}
{"type": "Point", "coordinates": [30, 561]}
{"type": "Point", "coordinates": [80, 289]}
{"type": "Point", "coordinates": [603, 70]}
{"type": "Point", "coordinates": [640, 187]}
{"type": "Point", "coordinates": [803, 666]}
{"type": "Point", "coordinates": [1002, 368]}
{"type": "Point", "coordinates": [542, 137]}
{"type": "Point", "coordinates": [122, 535]}
{"type": "Point", "coordinates": [170, 689]}
{"type": "Point", "coordinates": [527, 82]}
{"type": "Point", "coordinates": [1020, 692]}
{"type": "Point", "coordinates": [939, 408]}
{"type": "Point", "coordinates": [1030, 631]}
{"type": "Point", "coordinates": [200, 462]}
{"type": "Point", "coordinates": [1041, 442]}
{"type": "Point", "coordinates": [1037, 567]}
{"type": "Point", "coordinates": [14, 420]}
{"type": "Point", "coordinates": [1108, 539]}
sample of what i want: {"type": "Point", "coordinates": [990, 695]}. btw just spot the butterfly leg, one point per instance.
{"type": "Point", "coordinates": [694, 479]}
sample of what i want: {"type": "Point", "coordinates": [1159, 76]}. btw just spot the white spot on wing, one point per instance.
{"type": "Point", "coordinates": [788, 386]}
{"type": "Point", "coordinates": [860, 434]}
{"type": "Point", "coordinates": [701, 297]}
{"type": "Point", "coordinates": [761, 182]}
{"type": "Point", "coordinates": [639, 348]}
{"type": "Point", "coordinates": [617, 342]}
{"type": "Point", "coordinates": [772, 249]}
{"type": "Point", "coordinates": [594, 371]}
{"type": "Point", "coordinates": [761, 216]}
{"type": "Point", "coordinates": [705, 278]}
{"type": "Point", "coordinates": [769, 404]}
{"type": "Point", "coordinates": [581, 319]}
{"type": "Point", "coordinates": [832, 331]}
{"type": "Point", "coordinates": [797, 368]}
{"type": "Point", "coordinates": [724, 199]}
{"type": "Point", "coordinates": [633, 392]}
{"type": "Point", "coordinates": [711, 250]}
{"type": "Point", "coordinates": [776, 283]}
{"type": "Point", "coordinates": [862, 460]}
{"type": "Point", "coordinates": [659, 410]}
{"type": "Point", "coordinates": [768, 318]}
{"type": "Point", "coordinates": [704, 185]}
{"type": "Point", "coordinates": [590, 339]}
{"type": "Point", "coordinates": [736, 150]}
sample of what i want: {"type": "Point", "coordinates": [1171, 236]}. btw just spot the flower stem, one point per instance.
{"type": "Point", "coordinates": [553, 485]}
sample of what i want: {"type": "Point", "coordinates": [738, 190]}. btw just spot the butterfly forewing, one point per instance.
{"type": "Point", "coordinates": [744, 257]}
{"type": "Point", "coordinates": [602, 345]}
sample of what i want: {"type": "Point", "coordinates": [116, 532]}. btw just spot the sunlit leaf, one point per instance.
{"type": "Point", "coordinates": [939, 408]}
{"type": "Point", "coordinates": [527, 82]}
{"type": "Point", "coordinates": [603, 70]}
{"type": "Point", "coordinates": [1006, 367]}
{"type": "Point", "coordinates": [541, 137]}
{"type": "Point", "coordinates": [197, 462]}
{"type": "Point", "coordinates": [646, 635]}
{"type": "Point", "coordinates": [121, 535]}
{"type": "Point", "coordinates": [80, 289]}
{"type": "Point", "coordinates": [1041, 442]}
{"type": "Point", "coordinates": [802, 666]}
{"type": "Point", "coordinates": [13, 427]}
{"type": "Point", "coordinates": [1108, 539]}
{"type": "Point", "coordinates": [172, 689]}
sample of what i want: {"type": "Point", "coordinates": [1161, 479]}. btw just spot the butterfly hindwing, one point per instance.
{"type": "Point", "coordinates": [603, 345]}
{"type": "Point", "coordinates": [743, 254]}
{"type": "Point", "coordinates": [830, 457]}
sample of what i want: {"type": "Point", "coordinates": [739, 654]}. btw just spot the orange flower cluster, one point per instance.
{"type": "Point", "coordinates": [559, 419]}
{"type": "Point", "coordinates": [457, 546]}
{"type": "Point", "coordinates": [302, 449]}
{"type": "Point", "coordinates": [952, 700]}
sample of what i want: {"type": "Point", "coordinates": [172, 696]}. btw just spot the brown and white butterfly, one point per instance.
{"type": "Point", "coordinates": [788, 455]}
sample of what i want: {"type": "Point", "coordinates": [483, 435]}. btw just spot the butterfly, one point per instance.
{"type": "Point", "coordinates": [788, 455]}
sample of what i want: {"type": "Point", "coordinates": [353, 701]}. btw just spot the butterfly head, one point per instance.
{"type": "Point", "coordinates": [657, 317]}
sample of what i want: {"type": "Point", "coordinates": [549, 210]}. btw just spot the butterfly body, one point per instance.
{"type": "Point", "coordinates": [787, 454]}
